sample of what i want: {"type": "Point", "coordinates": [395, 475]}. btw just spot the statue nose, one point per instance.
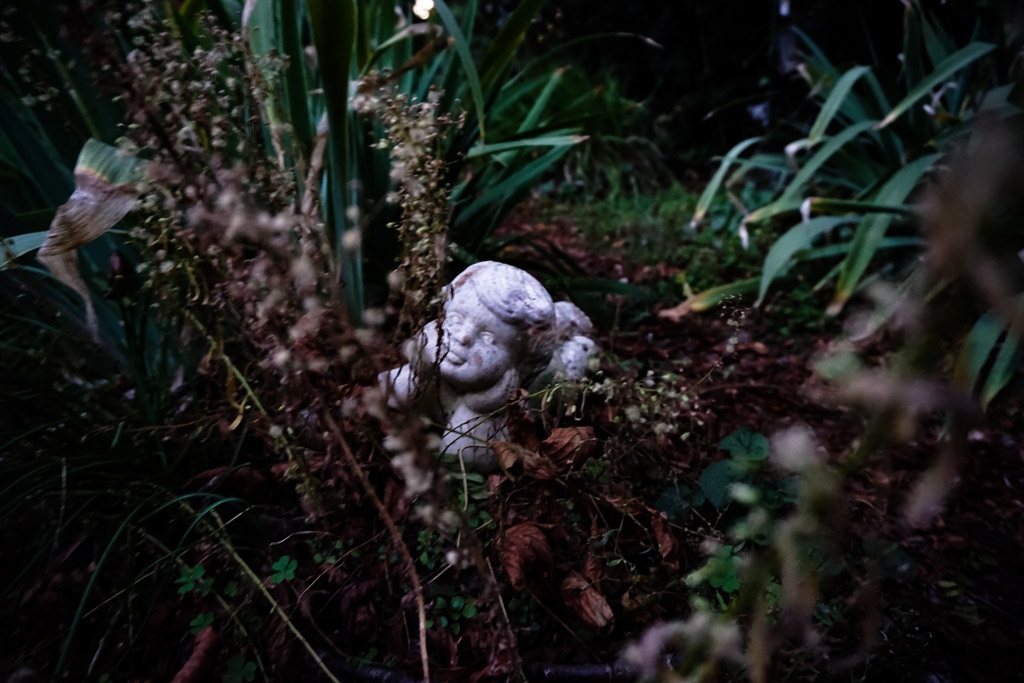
{"type": "Point", "coordinates": [462, 333]}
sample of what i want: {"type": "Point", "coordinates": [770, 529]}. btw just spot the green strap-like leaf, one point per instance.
{"type": "Point", "coordinates": [704, 203]}
{"type": "Point", "coordinates": [334, 24]}
{"type": "Point", "coordinates": [33, 153]}
{"type": "Point", "coordinates": [542, 100]}
{"type": "Point", "coordinates": [817, 55]}
{"type": "Point", "coordinates": [943, 72]}
{"type": "Point", "coordinates": [872, 229]}
{"type": "Point", "coordinates": [462, 50]}
{"type": "Point", "coordinates": [797, 238]}
{"type": "Point", "coordinates": [512, 185]}
{"type": "Point", "coordinates": [827, 205]}
{"type": "Point", "coordinates": [1002, 370]}
{"type": "Point", "coordinates": [19, 245]}
{"type": "Point", "coordinates": [505, 44]}
{"type": "Point", "coordinates": [410, 31]}
{"type": "Point", "coordinates": [295, 85]}
{"type": "Point", "coordinates": [977, 348]}
{"type": "Point", "coordinates": [937, 41]}
{"type": "Point", "coordinates": [834, 103]}
{"type": "Point", "coordinates": [272, 26]}
{"type": "Point", "coordinates": [792, 192]}
{"type": "Point", "coordinates": [546, 141]}
{"type": "Point", "coordinates": [833, 250]}
{"type": "Point", "coordinates": [710, 298]}
{"type": "Point", "coordinates": [913, 43]}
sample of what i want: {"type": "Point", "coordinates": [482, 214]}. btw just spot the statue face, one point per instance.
{"type": "Point", "coordinates": [480, 347]}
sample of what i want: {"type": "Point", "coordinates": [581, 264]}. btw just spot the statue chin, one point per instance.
{"type": "Point", "coordinates": [501, 329]}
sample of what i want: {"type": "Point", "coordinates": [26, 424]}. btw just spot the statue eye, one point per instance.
{"type": "Point", "coordinates": [453, 319]}
{"type": "Point", "coordinates": [487, 337]}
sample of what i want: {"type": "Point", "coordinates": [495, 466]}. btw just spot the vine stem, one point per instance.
{"type": "Point", "coordinates": [403, 549]}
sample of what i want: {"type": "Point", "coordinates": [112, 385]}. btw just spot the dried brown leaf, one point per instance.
{"type": "Point", "coordinates": [541, 467]}
{"type": "Point", "coordinates": [594, 568]}
{"type": "Point", "coordinates": [508, 454]}
{"type": "Point", "coordinates": [535, 465]}
{"type": "Point", "coordinates": [569, 445]}
{"type": "Point", "coordinates": [663, 534]}
{"type": "Point", "coordinates": [524, 552]}
{"type": "Point", "coordinates": [588, 602]}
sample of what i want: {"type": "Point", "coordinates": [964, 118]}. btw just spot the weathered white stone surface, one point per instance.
{"type": "Point", "coordinates": [500, 331]}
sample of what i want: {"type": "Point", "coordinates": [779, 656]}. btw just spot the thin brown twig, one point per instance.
{"type": "Point", "coordinates": [403, 549]}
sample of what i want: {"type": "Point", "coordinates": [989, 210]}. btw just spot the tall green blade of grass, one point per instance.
{"type": "Point", "coordinates": [914, 68]}
{"type": "Point", "coordinates": [815, 54]}
{"type": "Point", "coordinates": [334, 24]}
{"type": "Point", "coordinates": [891, 143]}
{"type": "Point", "coordinates": [541, 103]}
{"type": "Point", "coordinates": [872, 229]}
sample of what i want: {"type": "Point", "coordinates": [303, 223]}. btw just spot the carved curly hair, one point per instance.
{"type": "Point", "coordinates": [519, 299]}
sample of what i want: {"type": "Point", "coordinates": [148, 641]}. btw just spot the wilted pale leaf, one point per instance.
{"type": "Point", "coordinates": [105, 190]}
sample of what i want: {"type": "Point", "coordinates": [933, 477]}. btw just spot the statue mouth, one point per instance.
{"type": "Point", "coordinates": [454, 358]}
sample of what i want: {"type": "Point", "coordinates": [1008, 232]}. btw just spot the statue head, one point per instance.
{"type": "Point", "coordinates": [498, 327]}
{"type": "Point", "coordinates": [499, 331]}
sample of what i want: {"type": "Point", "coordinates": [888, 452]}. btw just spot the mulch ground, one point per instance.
{"type": "Point", "coordinates": [584, 558]}
{"type": "Point", "coordinates": [958, 615]}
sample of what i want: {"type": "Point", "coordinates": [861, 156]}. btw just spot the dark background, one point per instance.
{"type": "Point", "coordinates": [722, 60]}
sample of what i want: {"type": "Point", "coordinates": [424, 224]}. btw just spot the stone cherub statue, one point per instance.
{"type": "Point", "coordinates": [500, 331]}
